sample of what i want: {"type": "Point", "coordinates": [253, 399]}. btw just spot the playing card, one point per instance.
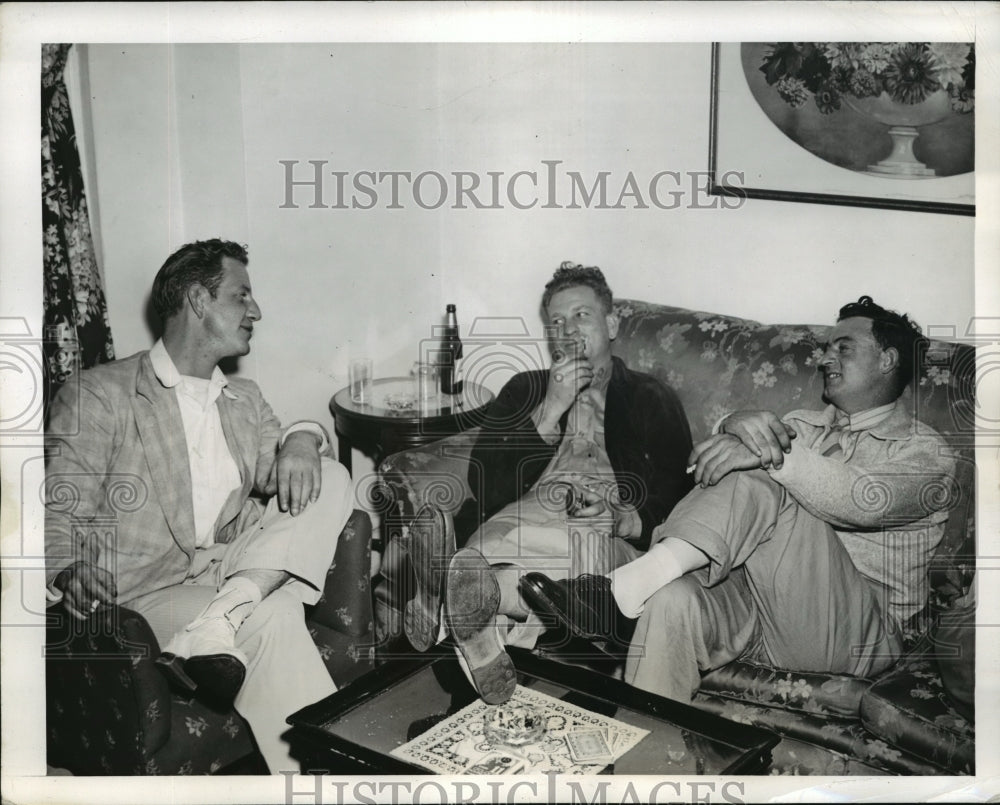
{"type": "Point", "coordinates": [615, 737]}
{"type": "Point", "coordinates": [589, 746]}
{"type": "Point", "coordinates": [497, 764]}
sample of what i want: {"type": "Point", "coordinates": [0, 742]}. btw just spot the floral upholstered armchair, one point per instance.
{"type": "Point", "coordinates": [110, 711]}
{"type": "Point", "coordinates": [914, 718]}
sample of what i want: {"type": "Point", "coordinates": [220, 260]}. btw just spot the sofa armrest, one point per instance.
{"type": "Point", "coordinates": [346, 603]}
{"type": "Point", "coordinates": [435, 473]}
{"type": "Point", "coordinates": [108, 705]}
{"type": "Point", "coordinates": [955, 650]}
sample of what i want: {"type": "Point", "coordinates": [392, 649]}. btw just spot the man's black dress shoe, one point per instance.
{"type": "Point", "coordinates": [218, 677]}
{"type": "Point", "coordinates": [584, 605]}
{"type": "Point", "coordinates": [202, 657]}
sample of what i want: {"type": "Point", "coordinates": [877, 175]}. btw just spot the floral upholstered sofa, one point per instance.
{"type": "Point", "coordinates": [916, 718]}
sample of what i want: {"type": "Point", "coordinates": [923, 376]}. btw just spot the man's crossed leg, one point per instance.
{"type": "Point", "coordinates": [737, 569]}
{"type": "Point", "coordinates": [240, 615]}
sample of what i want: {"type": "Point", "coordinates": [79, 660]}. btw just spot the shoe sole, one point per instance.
{"type": "Point", "coordinates": [472, 598]}
{"type": "Point", "coordinates": [429, 558]}
{"type": "Point", "coordinates": [218, 676]}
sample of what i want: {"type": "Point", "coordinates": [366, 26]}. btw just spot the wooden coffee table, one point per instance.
{"type": "Point", "coordinates": [354, 730]}
{"type": "Point", "coordinates": [383, 426]}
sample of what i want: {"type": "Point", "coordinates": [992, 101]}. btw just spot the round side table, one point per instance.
{"type": "Point", "coordinates": [394, 421]}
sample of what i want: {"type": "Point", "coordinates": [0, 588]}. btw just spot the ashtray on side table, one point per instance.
{"type": "Point", "coordinates": [395, 420]}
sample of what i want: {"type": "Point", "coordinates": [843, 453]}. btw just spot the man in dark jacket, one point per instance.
{"type": "Point", "coordinates": [574, 468]}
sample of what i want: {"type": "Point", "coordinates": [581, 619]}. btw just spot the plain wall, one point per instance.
{"type": "Point", "coordinates": [187, 144]}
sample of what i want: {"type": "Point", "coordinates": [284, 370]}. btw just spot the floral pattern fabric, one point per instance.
{"type": "Point", "coordinates": [910, 709]}
{"type": "Point", "coordinates": [836, 695]}
{"type": "Point", "coordinates": [718, 364]}
{"type": "Point", "coordinates": [342, 622]}
{"type": "Point", "coordinates": [110, 711]}
{"type": "Point", "coordinates": [77, 332]}
{"type": "Point", "coordinates": [835, 739]}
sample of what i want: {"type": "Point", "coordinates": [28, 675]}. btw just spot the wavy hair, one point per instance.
{"type": "Point", "coordinates": [194, 263]}
{"type": "Point", "coordinates": [891, 329]}
{"type": "Point", "coordinates": [570, 275]}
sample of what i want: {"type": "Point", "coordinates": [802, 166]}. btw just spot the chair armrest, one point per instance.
{"type": "Point", "coordinates": [346, 603]}
{"type": "Point", "coordinates": [108, 706]}
{"type": "Point", "coordinates": [435, 473]}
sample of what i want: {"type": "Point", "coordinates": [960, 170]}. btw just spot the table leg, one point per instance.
{"type": "Point", "coordinates": [344, 452]}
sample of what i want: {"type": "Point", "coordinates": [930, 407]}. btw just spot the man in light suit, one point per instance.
{"type": "Point", "coordinates": [166, 446]}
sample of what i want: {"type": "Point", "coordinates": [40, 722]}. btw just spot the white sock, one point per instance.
{"type": "Point", "coordinates": [634, 583]}
{"type": "Point", "coordinates": [235, 600]}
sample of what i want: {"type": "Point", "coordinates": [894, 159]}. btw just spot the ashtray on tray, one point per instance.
{"type": "Point", "coordinates": [401, 401]}
{"type": "Point", "coordinates": [514, 725]}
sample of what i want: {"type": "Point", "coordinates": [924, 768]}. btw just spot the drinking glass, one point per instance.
{"type": "Point", "coordinates": [425, 382]}
{"type": "Point", "coordinates": [359, 378]}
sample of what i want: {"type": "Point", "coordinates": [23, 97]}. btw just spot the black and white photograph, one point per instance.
{"type": "Point", "coordinates": [424, 402]}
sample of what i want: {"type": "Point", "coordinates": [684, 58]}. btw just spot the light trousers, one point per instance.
{"type": "Point", "coordinates": [780, 588]}
{"type": "Point", "coordinates": [285, 671]}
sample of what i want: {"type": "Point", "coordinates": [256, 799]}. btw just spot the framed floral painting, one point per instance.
{"type": "Point", "coordinates": [871, 124]}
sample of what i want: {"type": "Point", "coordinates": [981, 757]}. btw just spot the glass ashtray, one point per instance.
{"type": "Point", "coordinates": [401, 401]}
{"type": "Point", "coordinates": [514, 725]}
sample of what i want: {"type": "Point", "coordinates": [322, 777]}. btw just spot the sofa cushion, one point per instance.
{"type": "Point", "coordinates": [837, 695]}
{"type": "Point", "coordinates": [910, 709]}
{"type": "Point", "coordinates": [718, 364]}
{"type": "Point", "coordinates": [791, 756]}
{"type": "Point", "coordinates": [845, 737]}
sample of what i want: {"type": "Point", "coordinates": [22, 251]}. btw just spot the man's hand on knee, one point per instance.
{"type": "Point", "coordinates": [719, 455]}
{"type": "Point", "coordinates": [295, 476]}
{"type": "Point", "coordinates": [763, 433]}
{"type": "Point", "coordinates": [84, 587]}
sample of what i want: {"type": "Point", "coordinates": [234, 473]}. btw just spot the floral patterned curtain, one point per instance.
{"type": "Point", "coordinates": [77, 332]}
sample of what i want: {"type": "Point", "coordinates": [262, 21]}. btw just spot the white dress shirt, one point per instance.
{"type": "Point", "coordinates": [214, 472]}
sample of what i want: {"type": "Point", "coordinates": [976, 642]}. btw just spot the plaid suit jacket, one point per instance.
{"type": "Point", "coordinates": [118, 481]}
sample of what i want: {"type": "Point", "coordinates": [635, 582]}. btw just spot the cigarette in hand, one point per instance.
{"type": "Point", "coordinates": [95, 605]}
{"type": "Point", "coordinates": [691, 469]}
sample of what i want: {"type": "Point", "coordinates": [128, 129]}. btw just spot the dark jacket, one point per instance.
{"type": "Point", "coordinates": [645, 431]}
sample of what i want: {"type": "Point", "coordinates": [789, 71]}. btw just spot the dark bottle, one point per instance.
{"type": "Point", "coordinates": [451, 353]}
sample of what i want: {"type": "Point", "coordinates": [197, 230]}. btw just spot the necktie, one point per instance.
{"type": "Point", "coordinates": [834, 449]}
{"type": "Point", "coordinates": [832, 444]}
